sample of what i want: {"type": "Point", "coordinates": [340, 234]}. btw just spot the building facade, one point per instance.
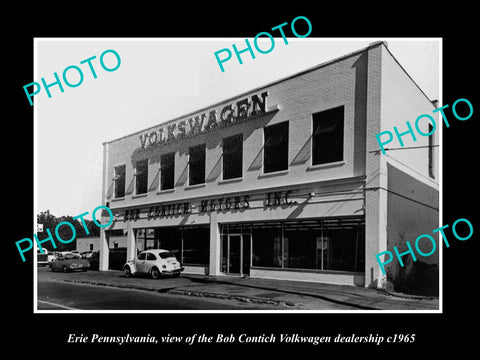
{"type": "Point", "coordinates": [92, 243]}
{"type": "Point", "coordinates": [283, 182]}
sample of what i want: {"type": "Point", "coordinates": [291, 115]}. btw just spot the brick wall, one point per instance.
{"type": "Point", "coordinates": [338, 83]}
{"type": "Point", "coordinates": [375, 197]}
{"type": "Point", "coordinates": [402, 100]}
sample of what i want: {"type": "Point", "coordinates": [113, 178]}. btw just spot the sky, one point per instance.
{"type": "Point", "coordinates": [158, 80]}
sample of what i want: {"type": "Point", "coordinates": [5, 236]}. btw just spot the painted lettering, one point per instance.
{"type": "Point", "coordinates": [207, 121]}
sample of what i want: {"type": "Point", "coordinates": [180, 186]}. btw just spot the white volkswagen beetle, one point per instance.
{"type": "Point", "coordinates": [155, 262]}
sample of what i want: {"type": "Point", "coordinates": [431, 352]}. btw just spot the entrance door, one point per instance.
{"type": "Point", "coordinates": [246, 254]}
{"type": "Point", "coordinates": [235, 254]}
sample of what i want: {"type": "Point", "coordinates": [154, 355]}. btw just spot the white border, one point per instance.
{"type": "Point", "coordinates": [440, 159]}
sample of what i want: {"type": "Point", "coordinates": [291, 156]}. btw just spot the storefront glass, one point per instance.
{"type": "Point", "coordinates": [333, 244]}
{"type": "Point", "coordinates": [318, 244]}
{"type": "Point", "coordinates": [146, 239]}
{"type": "Point", "coordinates": [190, 245]}
{"type": "Point", "coordinates": [196, 245]}
{"type": "Point", "coordinates": [235, 248]}
{"type": "Point", "coordinates": [170, 238]}
{"type": "Point", "coordinates": [302, 245]}
{"type": "Point", "coordinates": [267, 245]}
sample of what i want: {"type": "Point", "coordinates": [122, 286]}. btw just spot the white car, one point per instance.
{"type": "Point", "coordinates": [154, 262]}
{"type": "Point", "coordinates": [51, 257]}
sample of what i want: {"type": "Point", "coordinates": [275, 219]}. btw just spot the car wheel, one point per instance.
{"type": "Point", "coordinates": [155, 273]}
{"type": "Point", "coordinates": [127, 272]}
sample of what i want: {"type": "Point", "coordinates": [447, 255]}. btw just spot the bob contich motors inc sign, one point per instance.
{"type": "Point", "coordinates": [207, 121]}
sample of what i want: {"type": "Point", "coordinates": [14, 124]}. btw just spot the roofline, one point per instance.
{"type": "Point", "coordinates": [288, 77]}
{"type": "Point", "coordinates": [414, 82]}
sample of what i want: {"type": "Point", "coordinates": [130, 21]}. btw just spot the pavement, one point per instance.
{"type": "Point", "coordinates": [280, 294]}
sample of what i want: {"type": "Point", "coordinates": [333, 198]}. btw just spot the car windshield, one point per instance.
{"type": "Point", "coordinates": [166, 255]}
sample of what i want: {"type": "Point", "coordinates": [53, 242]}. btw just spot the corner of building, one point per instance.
{"type": "Point", "coordinates": [402, 196]}
{"type": "Point", "coordinates": [104, 250]}
{"type": "Point", "coordinates": [376, 173]}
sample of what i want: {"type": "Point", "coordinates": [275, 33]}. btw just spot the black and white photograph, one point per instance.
{"type": "Point", "coordinates": [285, 187]}
{"type": "Point", "coordinates": [275, 198]}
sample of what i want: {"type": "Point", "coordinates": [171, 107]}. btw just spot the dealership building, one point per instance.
{"type": "Point", "coordinates": [285, 181]}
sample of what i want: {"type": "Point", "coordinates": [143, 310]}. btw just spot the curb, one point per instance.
{"type": "Point", "coordinates": [385, 292]}
{"type": "Point", "coordinates": [308, 294]}
{"type": "Point", "coordinates": [246, 299]}
{"type": "Point", "coordinates": [172, 291]}
{"type": "Point", "coordinates": [406, 296]}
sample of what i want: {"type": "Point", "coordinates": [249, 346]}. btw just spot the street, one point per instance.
{"type": "Point", "coordinates": [111, 290]}
{"type": "Point", "coordinates": [54, 295]}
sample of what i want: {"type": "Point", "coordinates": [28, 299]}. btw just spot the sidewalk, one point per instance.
{"type": "Point", "coordinates": [281, 294]}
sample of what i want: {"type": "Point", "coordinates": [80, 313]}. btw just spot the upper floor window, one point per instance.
{"type": "Point", "coordinates": [327, 138]}
{"type": "Point", "coordinates": [232, 157]}
{"type": "Point", "coordinates": [196, 164]}
{"type": "Point", "coordinates": [167, 171]}
{"type": "Point", "coordinates": [119, 181]}
{"type": "Point", "coordinates": [275, 150]}
{"type": "Point", "coordinates": [141, 176]}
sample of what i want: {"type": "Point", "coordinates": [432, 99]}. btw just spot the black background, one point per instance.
{"type": "Point", "coordinates": [435, 333]}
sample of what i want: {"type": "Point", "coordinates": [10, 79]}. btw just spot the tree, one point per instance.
{"type": "Point", "coordinates": [64, 231]}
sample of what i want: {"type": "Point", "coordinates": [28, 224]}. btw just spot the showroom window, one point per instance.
{"type": "Point", "coordinates": [170, 238]}
{"type": "Point", "coordinates": [267, 244]}
{"type": "Point", "coordinates": [145, 239]}
{"type": "Point", "coordinates": [189, 244]}
{"type": "Point", "coordinates": [196, 245]}
{"type": "Point", "coordinates": [330, 244]}
{"type": "Point", "coordinates": [318, 244]}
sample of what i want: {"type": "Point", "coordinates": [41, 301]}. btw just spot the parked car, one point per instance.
{"type": "Point", "coordinates": [86, 254]}
{"type": "Point", "coordinates": [51, 257]}
{"type": "Point", "coordinates": [69, 262]}
{"type": "Point", "coordinates": [42, 258]}
{"type": "Point", "coordinates": [153, 262]}
{"type": "Point", "coordinates": [69, 253]}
